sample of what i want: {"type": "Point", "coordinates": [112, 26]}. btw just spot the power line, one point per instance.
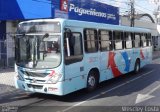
{"type": "Point", "coordinates": [143, 7]}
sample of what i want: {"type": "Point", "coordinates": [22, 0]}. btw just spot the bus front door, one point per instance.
{"type": "Point", "coordinates": [74, 63]}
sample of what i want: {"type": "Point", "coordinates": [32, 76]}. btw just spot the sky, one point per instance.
{"type": "Point", "coordinates": [141, 6]}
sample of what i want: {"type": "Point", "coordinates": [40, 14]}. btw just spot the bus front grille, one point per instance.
{"type": "Point", "coordinates": [34, 86]}
{"type": "Point", "coordinates": [32, 74]}
{"type": "Point", "coordinates": [35, 80]}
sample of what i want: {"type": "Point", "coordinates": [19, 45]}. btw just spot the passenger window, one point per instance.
{"type": "Point", "coordinates": [105, 38]}
{"type": "Point", "coordinates": [118, 40]}
{"type": "Point", "coordinates": [90, 40]}
{"type": "Point", "coordinates": [128, 40]}
{"type": "Point", "coordinates": [143, 40]}
{"type": "Point", "coordinates": [74, 52]}
{"type": "Point", "coordinates": [137, 40]}
{"type": "Point", "coordinates": [77, 48]}
{"type": "Point", "coordinates": [149, 40]}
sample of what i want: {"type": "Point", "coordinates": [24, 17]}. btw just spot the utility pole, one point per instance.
{"type": "Point", "coordinates": [132, 15]}
{"type": "Point", "coordinates": [157, 10]}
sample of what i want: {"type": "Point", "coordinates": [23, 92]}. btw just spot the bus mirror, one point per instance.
{"type": "Point", "coordinates": [46, 35]}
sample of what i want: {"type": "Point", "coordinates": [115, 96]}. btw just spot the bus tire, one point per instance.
{"type": "Point", "coordinates": [137, 66]}
{"type": "Point", "coordinates": [92, 81]}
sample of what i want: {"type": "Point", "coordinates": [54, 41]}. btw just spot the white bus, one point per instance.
{"type": "Point", "coordinates": [60, 56]}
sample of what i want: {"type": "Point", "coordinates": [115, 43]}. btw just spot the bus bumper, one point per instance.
{"type": "Point", "coordinates": [54, 89]}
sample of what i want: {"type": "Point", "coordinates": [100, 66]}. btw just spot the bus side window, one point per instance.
{"type": "Point", "coordinates": [149, 40]}
{"type": "Point", "coordinates": [105, 38]}
{"type": "Point", "coordinates": [143, 40]}
{"type": "Point", "coordinates": [137, 40]}
{"type": "Point", "coordinates": [133, 42]}
{"type": "Point", "coordinates": [128, 40]}
{"type": "Point", "coordinates": [118, 40]}
{"type": "Point", "coordinates": [74, 53]}
{"type": "Point", "coordinates": [90, 40]}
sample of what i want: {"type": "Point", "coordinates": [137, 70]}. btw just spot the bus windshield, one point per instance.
{"type": "Point", "coordinates": [37, 51]}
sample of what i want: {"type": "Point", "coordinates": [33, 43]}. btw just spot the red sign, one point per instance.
{"type": "Point", "coordinates": [64, 5]}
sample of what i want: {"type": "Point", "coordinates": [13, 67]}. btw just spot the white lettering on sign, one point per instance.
{"type": "Point", "coordinates": [91, 12]}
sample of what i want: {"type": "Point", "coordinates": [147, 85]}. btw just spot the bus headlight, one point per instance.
{"type": "Point", "coordinates": [54, 78]}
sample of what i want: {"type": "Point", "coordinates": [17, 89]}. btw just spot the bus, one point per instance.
{"type": "Point", "coordinates": [60, 56]}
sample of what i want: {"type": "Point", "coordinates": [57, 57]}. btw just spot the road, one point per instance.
{"type": "Point", "coordinates": [115, 95]}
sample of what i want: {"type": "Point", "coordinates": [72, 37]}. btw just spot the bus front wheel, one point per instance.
{"type": "Point", "coordinates": [137, 66]}
{"type": "Point", "coordinates": [92, 81]}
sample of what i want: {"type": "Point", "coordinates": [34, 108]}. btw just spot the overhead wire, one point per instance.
{"type": "Point", "coordinates": [143, 7]}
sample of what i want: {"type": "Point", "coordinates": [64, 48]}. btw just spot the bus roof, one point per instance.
{"type": "Point", "coordinates": [84, 24]}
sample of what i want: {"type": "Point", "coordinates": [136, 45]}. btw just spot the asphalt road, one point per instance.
{"type": "Point", "coordinates": [130, 92]}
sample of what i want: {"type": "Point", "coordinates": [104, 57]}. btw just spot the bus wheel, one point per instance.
{"type": "Point", "coordinates": [137, 66]}
{"type": "Point", "coordinates": [92, 81]}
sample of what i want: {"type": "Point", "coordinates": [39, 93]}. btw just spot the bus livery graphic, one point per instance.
{"type": "Point", "coordinates": [127, 61]}
{"type": "Point", "coordinates": [142, 55]}
{"type": "Point", "coordinates": [112, 64]}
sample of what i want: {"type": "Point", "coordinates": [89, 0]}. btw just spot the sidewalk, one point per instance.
{"type": "Point", "coordinates": [7, 80]}
{"type": "Point", "coordinates": [7, 76]}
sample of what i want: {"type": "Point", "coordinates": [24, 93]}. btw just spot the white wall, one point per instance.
{"type": "Point", "coordinates": [10, 30]}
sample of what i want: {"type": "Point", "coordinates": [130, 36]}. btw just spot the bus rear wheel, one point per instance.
{"type": "Point", "coordinates": [92, 81]}
{"type": "Point", "coordinates": [137, 66]}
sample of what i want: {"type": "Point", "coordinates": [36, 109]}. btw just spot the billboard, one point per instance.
{"type": "Point", "coordinates": [89, 11]}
